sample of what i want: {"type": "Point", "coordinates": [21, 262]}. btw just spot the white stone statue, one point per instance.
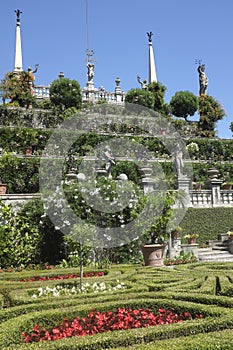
{"type": "Point", "coordinates": [143, 83]}
{"type": "Point", "coordinates": [109, 160]}
{"type": "Point", "coordinates": [203, 79]}
{"type": "Point", "coordinates": [90, 71]}
{"type": "Point", "coordinates": [178, 161]}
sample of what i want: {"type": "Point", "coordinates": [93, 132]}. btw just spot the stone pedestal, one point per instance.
{"type": "Point", "coordinates": [215, 185]}
{"type": "Point", "coordinates": [190, 248]}
{"type": "Point", "coordinates": [147, 181]}
{"type": "Point", "coordinates": [101, 172]}
{"type": "Point", "coordinates": [118, 91]}
{"type": "Point", "coordinates": [183, 184]}
{"type": "Point", "coordinates": [175, 247]}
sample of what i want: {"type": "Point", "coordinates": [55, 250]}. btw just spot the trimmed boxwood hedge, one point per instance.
{"type": "Point", "coordinates": [183, 288]}
{"type": "Point", "coordinates": [207, 222]}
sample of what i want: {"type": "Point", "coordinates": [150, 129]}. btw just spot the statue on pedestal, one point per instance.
{"type": "Point", "coordinates": [203, 79]}
{"type": "Point", "coordinates": [178, 161]}
{"type": "Point", "coordinates": [143, 83]}
{"type": "Point", "coordinates": [31, 72]}
{"type": "Point", "coordinates": [18, 13]}
{"type": "Point", "coordinates": [150, 36]}
{"type": "Point", "coordinates": [109, 160]}
{"type": "Point", "coordinates": [90, 71]}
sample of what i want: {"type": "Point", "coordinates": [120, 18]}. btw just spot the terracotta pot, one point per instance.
{"type": "Point", "coordinates": [192, 240]}
{"type": "Point", "coordinates": [153, 254]}
{"type": "Point", "coordinates": [175, 234]}
{"type": "Point", "coordinates": [3, 188]}
{"type": "Point", "coordinates": [28, 151]}
{"type": "Point", "coordinates": [227, 186]}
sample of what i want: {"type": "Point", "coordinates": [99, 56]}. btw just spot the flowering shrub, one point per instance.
{"type": "Point", "coordinates": [72, 289]}
{"type": "Point", "coordinates": [99, 322]}
{"type": "Point", "coordinates": [182, 258]}
{"type": "Point", "coordinates": [63, 277]}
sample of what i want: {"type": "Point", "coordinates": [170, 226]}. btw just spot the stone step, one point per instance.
{"type": "Point", "coordinates": [210, 255]}
{"type": "Point", "coordinates": [212, 258]}
{"type": "Point", "coordinates": [220, 248]}
{"type": "Point", "coordinates": [213, 252]}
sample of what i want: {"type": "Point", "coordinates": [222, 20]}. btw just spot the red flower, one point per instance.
{"type": "Point", "coordinates": [99, 322]}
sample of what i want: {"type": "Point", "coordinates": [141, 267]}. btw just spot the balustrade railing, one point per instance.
{"type": "Point", "coordinates": [42, 92]}
{"type": "Point", "coordinates": [202, 198]}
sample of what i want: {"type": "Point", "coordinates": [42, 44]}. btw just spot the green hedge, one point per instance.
{"type": "Point", "coordinates": [207, 222]}
{"type": "Point", "coordinates": [184, 288]}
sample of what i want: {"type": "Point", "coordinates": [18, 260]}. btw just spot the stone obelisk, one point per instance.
{"type": "Point", "coordinates": [152, 69]}
{"type": "Point", "coordinates": [18, 49]}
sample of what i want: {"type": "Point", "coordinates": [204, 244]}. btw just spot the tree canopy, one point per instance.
{"type": "Point", "coordinates": [18, 88]}
{"type": "Point", "coordinates": [65, 93]}
{"type": "Point", "coordinates": [183, 104]}
{"type": "Point", "coordinates": [141, 97]}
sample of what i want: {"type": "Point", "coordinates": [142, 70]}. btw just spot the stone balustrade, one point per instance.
{"type": "Point", "coordinates": [201, 198]}
{"type": "Point", "coordinates": [41, 91]}
{"type": "Point", "coordinates": [198, 199]}
{"type": "Point", "coordinates": [88, 95]}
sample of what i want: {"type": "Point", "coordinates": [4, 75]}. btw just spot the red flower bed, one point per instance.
{"type": "Point", "coordinates": [62, 277]}
{"type": "Point", "coordinates": [99, 322]}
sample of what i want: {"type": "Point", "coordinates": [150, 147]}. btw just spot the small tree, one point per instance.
{"type": "Point", "coordinates": [19, 238]}
{"type": "Point", "coordinates": [18, 88]}
{"type": "Point", "coordinates": [65, 93]}
{"type": "Point", "coordinates": [210, 112]}
{"type": "Point", "coordinates": [158, 90]}
{"type": "Point", "coordinates": [141, 97]}
{"type": "Point", "coordinates": [231, 126]}
{"type": "Point", "coordinates": [183, 104]}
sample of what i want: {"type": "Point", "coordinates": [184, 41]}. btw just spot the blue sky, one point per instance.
{"type": "Point", "coordinates": [54, 35]}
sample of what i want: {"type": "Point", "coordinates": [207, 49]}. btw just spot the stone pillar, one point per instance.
{"type": "Point", "coordinates": [18, 49]}
{"type": "Point", "coordinates": [183, 184]}
{"type": "Point", "coordinates": [152, 70]}
{"type": "Point", "coordinates": [190, 248]}
{"type": "Point", "coordinates": [118, 91]}
{"type": "Point", "coordinates": [101, 172]}
{"type": "Point", "coordinates": [215, 185]}
{"type": "Point", "coordinates": [147, 181]}
{"type": "Point", "coordinates": [175, 247]}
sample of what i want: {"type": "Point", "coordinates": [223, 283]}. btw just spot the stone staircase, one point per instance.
{"type": "Point", "coordinates": [216, 252]}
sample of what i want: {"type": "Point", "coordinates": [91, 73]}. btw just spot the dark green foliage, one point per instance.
{"type": "Point", "coordinates": [52, 249]}
{"type": "Point", "coordinates": [207, 222]}
{"type": "Point", "coordinates": [141, 97]}
{"type": "Point", "coordinates": [18, 88]}
{"type": "Point", "coordinates": [158, 91]}
{"type": "Point", "coordinates": [210, 112]}
{"type": "Point", "coordinates": [183, 104]}
{"type": "Point", "coordinates": [65, 93]}
{"type": "Point", "coordinates": [20, 175]}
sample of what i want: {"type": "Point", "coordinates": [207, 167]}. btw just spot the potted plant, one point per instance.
{"type": "Point", "coordinates": [175, 233]}
{"type": "Point", "coordinates": [154, 240]}
{"type": "Point", "coordinates": [227, 185]}
{"type": "Point", "coordinates": [230, 234]}
{"type": "Point", "coordinates": [3, 187]}
{"type": "Point", "coordinates": [192, 237]}
{"type": "Point", "coordinates": [198, 185]}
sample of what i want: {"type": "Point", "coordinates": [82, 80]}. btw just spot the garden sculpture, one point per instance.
{"type": "Point", "coordinates": [203, 79]}
{"type": "Point", "coordinates": [109, 160]}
